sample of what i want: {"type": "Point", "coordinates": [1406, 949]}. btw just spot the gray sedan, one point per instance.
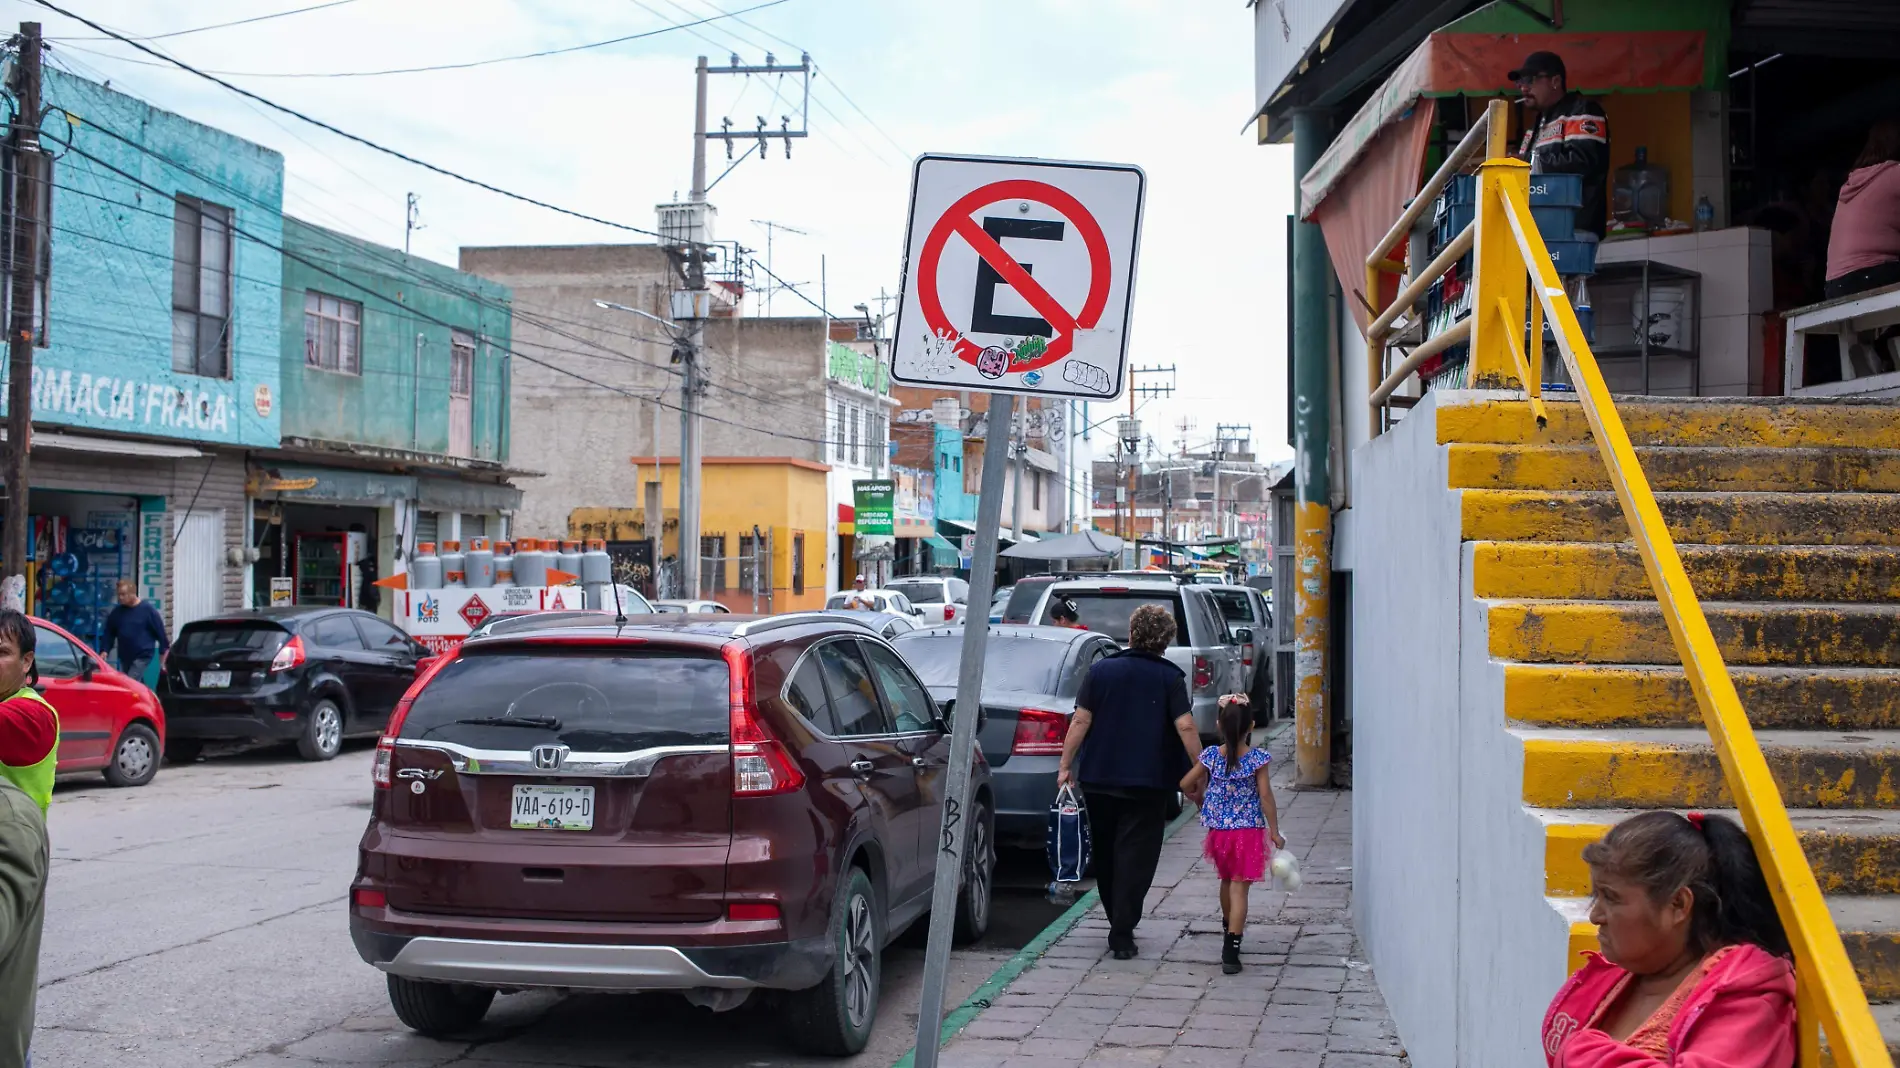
{"type": "Point", "coordinates": [1030, 678]}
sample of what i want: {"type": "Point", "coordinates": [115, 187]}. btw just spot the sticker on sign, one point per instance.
{"type": "Point", "coordinates": [1019, 276]}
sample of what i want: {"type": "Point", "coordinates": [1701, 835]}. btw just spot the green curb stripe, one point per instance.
{"type": "Point", "coordinates": [980, 998]}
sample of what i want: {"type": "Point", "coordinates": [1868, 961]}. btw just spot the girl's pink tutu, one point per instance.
{"type": "Point", "coordinates": [1238, 855]}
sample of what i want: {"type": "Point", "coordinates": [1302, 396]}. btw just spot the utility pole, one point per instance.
{"type": "Point", "coordinates": [1146, 392]}
{"type": "Point", "coordinates": [693, 343]}
{"type": "Point", "coordinates": [23, 232]}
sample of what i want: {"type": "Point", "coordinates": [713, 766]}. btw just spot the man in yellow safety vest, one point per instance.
{"type": "Point", "coordinates": [29, 728]}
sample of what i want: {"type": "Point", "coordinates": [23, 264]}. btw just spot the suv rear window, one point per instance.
{"type": "Point", "coordinates": [1108, 613]}
{"type": "Point", "coordinates": [919, 592]}
{"type": "Point", "coordinates": [591, 700]}
{"type": "Point", "coordinates": [1022, 601]}
{"type": "Point", "coordinates": [231, 639]}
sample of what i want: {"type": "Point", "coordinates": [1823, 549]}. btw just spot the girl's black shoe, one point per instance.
{"type": "Point", "coordinates": [1230, 954]}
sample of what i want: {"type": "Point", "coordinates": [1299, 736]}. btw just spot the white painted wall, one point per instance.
{"type": "Point", "coordinates": [1407, 757]}
{"type": "Point", "coordinates": [1447, 863]}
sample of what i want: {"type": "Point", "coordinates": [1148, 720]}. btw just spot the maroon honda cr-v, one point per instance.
{"type": "Point", "coordinates": [711, 806]}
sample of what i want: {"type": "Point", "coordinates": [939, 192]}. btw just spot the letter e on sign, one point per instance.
{"type": "Point", "coordinates": [1019, 276]}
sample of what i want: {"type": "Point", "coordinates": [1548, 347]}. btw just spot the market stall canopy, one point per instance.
{"type": "Point", "coordinates": [1083, 545]}
{"type": "Point", "coordinates": [1375, 166]}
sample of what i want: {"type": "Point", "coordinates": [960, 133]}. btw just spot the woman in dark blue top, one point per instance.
{"type": "Point", "coordinates": [1131, 740]}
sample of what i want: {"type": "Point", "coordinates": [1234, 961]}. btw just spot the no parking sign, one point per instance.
{"type": "Point", "coordinates": [1019, 275]}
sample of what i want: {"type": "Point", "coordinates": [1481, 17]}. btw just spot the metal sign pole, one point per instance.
{"type": "Point", "coordinates": [956, 829]}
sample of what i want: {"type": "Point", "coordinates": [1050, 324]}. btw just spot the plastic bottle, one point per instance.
{"type": "Point", "coordinates": [1704, 216]}
{"type": "Point", "coordinates": [531, 563]}
{"type": "Point", "coordinates": [425, 568]}
{"type": "Point", "coordinates": [504, 563]}
{"type": "Point", "coordinates": [1586, 315]}
{"type": "Point", "coordinates": [454, 564]}
{"type": "Point", "coordinates": [480, 563]}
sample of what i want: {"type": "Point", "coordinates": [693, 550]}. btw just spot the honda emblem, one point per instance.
{"type": "Point", "coordinates": [549, 757]}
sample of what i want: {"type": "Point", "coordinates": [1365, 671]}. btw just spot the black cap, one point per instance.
{"type": "Point", "coordinates": [1540, 63]}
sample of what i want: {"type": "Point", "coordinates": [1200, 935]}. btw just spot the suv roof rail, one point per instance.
{"type": "Point", "coordinates": [793, 619]}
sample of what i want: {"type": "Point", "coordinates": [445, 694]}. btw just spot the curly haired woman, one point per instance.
{"type": "Point", "coordinates": [1119, 751]}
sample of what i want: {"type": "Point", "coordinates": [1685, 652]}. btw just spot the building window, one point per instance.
{"type": "Point", "coordinates": [201, 288]}
{"type": "Point", "coordinates": [461, 364]}
{"type": "Point", "coordinates": [748, 545]}
{"type": "Point", "coordinates": [798, 563]}
{"type": "Point", "coordinates": [712, 564]}
{"type": "Point", "coordinates": [1035, 489]}
{"type": "Point", "coordinates": [838, 432]}
{"type": "Point", "coordinates": [853, 418]}
{"type": "Point", "coordinates": [44, 164]}
{"type": "Point", "coordinates": [332, 333]}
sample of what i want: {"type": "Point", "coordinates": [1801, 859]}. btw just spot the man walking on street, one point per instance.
{"type": "Point", "coordinates": [137, 629]}
{"type": "Point", "coordinates": [1568, 135]}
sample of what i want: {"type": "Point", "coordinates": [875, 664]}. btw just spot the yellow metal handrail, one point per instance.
{"type": "Point", "coordinates": [1509, 253]}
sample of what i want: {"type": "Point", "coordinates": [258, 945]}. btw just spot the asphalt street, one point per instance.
{"type": "Point", "coordinates": [199, 921]}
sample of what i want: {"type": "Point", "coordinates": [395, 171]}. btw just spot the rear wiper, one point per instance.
{"type": "Point", "coordinates": [540, 722]}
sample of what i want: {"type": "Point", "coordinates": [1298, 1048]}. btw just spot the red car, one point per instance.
{"type": "Point", "coordinates": [108, 721]}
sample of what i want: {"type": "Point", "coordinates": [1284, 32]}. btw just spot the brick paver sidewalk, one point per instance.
{"type": "Point", "coordinates": [1304, 1000]}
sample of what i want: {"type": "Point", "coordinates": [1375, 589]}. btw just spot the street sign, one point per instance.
{"type": "Point", "coordinates": [1019, 276]}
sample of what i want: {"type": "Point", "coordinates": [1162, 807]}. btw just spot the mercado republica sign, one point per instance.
{"type": "Point", "coordinates": [874, 501]}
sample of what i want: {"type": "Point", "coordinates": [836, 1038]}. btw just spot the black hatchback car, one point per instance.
{"type": "Point", "coordinates": [311, 675]}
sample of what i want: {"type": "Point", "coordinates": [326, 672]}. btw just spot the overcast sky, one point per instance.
{"type": "Point", "coordinates": [608, 131]}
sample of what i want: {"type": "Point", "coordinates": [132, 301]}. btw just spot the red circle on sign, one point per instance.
{"type": "Point", "coordinates": [957, 220]}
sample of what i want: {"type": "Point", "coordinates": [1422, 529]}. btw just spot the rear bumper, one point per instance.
{"type": "Point", "coordinates": [1025, 787]}
{"type": "Point", "coordinates": [273, 713]}
{"type": "Point", "coordinates": [618, 967]}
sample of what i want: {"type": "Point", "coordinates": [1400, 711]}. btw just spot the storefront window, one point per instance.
{"type": "Point", "coordinates": [332, 333]}
{"type": "Point", "coordinates": [712, 564]}
{"type": "Point", "coordinates": [798, 563]}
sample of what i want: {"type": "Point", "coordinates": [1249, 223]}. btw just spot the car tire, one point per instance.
{"type": "Point", "coordinates": [135, 756]}
{"type": "Point", "coordinates": [184, 750]}
{"type": "Point", "coordinates": [979, 879]}
{"type": "Point", "coordinates": [322, 736]}
{"type": "Point", "coordinates": [834, 1018]}
{"type": "Point", "coordinates": [438, 1010]}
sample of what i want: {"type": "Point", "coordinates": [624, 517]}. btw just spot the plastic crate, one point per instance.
{"type": "Point", "coordinates": [1573, 257]}
{"type": "Point", "coordinates": [1556, 190]}
{"type": "Point", "coordinates": [1556, 224]}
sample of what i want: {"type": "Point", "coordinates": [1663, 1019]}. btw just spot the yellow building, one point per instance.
{"type": "Point", "coordinates": [783, 497]}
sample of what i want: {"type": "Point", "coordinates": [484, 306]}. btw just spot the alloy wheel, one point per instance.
{"type": "Point", "coordinates": [860, 962]}
{"type": "Point", "coordinates": [329, 728]}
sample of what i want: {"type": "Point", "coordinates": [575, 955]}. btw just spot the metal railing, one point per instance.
{"type": "Point", "coordinates": [1512, 272]}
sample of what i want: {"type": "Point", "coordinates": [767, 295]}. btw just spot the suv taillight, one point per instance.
{"type": "Point", "coordinates": [949, 612]}
{"type": "Point", "coordinates": [1203, 673]}
{"type": "Point", "coordinates": [760, 765]}
{"type": "Point", "coordinates": [386, 745]}
{"type": "Point", "coordinates": [290, 656]}
{"type": "Point", "coordinates": [1039, 733]}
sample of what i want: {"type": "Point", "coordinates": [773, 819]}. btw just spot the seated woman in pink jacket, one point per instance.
{"type": "Point", "coordinates": [1695, 968]}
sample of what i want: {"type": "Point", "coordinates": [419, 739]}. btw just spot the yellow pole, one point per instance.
{"type": "Point", "coordinates": [1497, 276]}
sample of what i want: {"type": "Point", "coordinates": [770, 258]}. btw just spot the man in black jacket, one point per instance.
{"type": "Point", "coordinates": [1567, 133]}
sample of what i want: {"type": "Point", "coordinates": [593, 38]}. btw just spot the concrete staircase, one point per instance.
{"type": "Point", "coordinates": [1788, 519]}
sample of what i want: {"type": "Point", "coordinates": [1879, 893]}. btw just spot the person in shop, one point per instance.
{"type": "Point", "coordinates": [1863, 248]}
{"type": "Point", "coordinates": [369, 596]}
{"type": "Point", "coordinates": [1565, 133]}
{"type": "Point", "coordinates": [136, 630]}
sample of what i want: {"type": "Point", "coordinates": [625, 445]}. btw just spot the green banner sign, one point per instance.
{"type": "Point", "coordinates": [874, 502]}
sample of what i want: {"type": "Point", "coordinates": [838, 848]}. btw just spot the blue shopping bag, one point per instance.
{"type": "Point", "coordinates": [1068, 841]}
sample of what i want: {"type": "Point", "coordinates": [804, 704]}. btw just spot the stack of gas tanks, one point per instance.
{"type": "Point", "coordinates": [1554, 200]}
{"type": "Point", "coordinates": [527, 562]}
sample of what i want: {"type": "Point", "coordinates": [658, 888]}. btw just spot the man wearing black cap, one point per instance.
{"type": "Point", "coordinates": [1569, 134]}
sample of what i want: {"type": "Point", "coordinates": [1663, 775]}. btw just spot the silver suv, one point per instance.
{"type": "Point", "coordinates": [1204, 648]}
{"type": "Point", "coordinates": [1246, 609]}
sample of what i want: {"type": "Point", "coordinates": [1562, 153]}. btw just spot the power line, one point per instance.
{"type": "Point", "coordinates": [413, 313]}
{"type": "Point", "coordinates": [483, 62]}
{"type": "Point", "coordinates": [219, 25]}
{"type": "Point", "coordinates": [364, 141]}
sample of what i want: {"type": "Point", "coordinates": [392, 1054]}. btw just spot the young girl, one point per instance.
{"type": "Point", "coordinates": [1230, 785]}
